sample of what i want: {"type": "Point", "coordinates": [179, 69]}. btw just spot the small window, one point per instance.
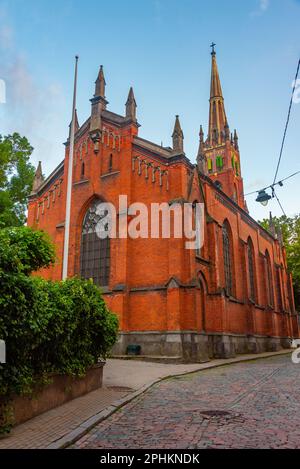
{"type": "Point", "coordinates": [235, 194]}
{"type": "Point", "coordinates": [82, 169]}
{"type": "Point", "coordinates": [209, 165]}
{"type": "Point", "coordinates": [219, 162]}
{"type": "Point", "coordinates": [233, 161]}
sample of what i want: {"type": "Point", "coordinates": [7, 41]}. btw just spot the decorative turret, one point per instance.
{"type": "Point", "coordinates": [177, 137]}
{"type": "Point", "coordinates": [201, 135]}
{"type": "Point", "coordinates": [38, 179]}
{"type": "Point", "coordinates": [236, 140]}
{"type": "Point", "coordinates": [100, 84]}
{"type": "Point", "coordinates": [200, 156]}
{"type": "Point", "coordinates": [131, 106]}
{"type": "Point", "coordinates": [98, 105]}
{"type": "Point", "coordinates": [272, 226]}
{"type": "Point", "coordinates": [76, 124]}
{"type": "Point", "coordinates": [226, 131]}
{"type": "Point", "coordinates": [279, 235]}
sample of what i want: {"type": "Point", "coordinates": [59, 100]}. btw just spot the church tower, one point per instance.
{"type": "Point", "coordinates": [218, 155]}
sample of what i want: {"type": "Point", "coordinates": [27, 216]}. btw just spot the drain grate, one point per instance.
{"type": "Point", "coordinates": [120, 388]}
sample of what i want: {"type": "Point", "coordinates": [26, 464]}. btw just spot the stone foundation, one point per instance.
{"type": "Point", "coordinates": [195, 347]}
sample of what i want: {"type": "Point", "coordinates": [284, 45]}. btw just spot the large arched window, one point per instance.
{"type": "Point", "coordinates": [269, 280]}
{"type": "Point", "coordinates": [251, 271]}
{"type": "Point", "coordinates": [278, 290]}
{"type": "Point", "coordinates": [95, 251]}
{"type": "Point", "coordinates": [228, 258]}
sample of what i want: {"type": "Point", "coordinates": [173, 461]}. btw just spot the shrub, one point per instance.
{"type": "Point", "coordinates": [62, 327]}
{"type": "Point", "coordinates": [24, 250]}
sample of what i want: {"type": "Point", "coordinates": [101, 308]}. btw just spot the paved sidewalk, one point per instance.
{"type": "Point", "coordinates": [123, 381]}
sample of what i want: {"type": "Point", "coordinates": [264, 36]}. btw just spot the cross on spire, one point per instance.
{"type": "Point", "coordinates": [213, 45]}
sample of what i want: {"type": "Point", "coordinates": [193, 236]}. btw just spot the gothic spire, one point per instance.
{"type": "Point", "coordinates": [201, 135]}
{"type": "Point", "coordinates": [201, 156]}
{"type": "Point", "coordinates": [236, 140]}
{"type": "Point", "coordinates": [98, 105]}
{"type": "Point", "coordinates": [76, 121]}
{"type": "Point", "coordinates": [131, 106]}
{"type": "Point", "coordinates": [76, 124]}
{"type": "Point", "coordinates": [226, 131]}
{"type": "Point", "coordinates": [100, 84]}
{"type": "Point", "coordinates": [177, 137]}
{"type": "Point", "coordinates": [217, 114]}
{"type": "Point", "coordinates": [38, 178]}
{"type": "Point", "coordinates": [272, 226]}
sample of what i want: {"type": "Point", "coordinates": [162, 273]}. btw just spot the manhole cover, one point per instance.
{"type": "Point", "coordinates": [215, 413]}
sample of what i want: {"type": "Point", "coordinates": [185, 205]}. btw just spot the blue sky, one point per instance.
{"type": "Point", "coordinates": [161, 48]}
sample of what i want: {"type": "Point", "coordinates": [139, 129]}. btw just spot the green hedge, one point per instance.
{"type": "Point", "coordinates": [61, 327]}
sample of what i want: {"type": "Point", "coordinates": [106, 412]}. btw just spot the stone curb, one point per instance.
{"type": "Point", "coordinates": [90, 423]}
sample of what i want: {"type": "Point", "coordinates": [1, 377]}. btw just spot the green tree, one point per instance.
{"type": "Point", "coordinates": [290, 228]}
{"type": "Point", "coordinates": [16, 179]}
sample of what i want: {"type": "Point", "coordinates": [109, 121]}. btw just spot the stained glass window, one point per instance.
{"type": "Point", "coordinates": [95, 249]}
{"type": "Point", "coordinates": [209, 165]}
{"type": "Point", "coordinates": [219, 162]}
{"type": "Point", "coordinates": [251, 270]}
{"type": "Point", "coordinates": [227, 253]}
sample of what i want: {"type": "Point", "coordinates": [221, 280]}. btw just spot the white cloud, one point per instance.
{"type": "Point", "coordinates": [262, 7]}
{"type": "Point", "coordinates": [6, 37]}
{"type": "Point", "coordinates": [31, 108]}
{"type": "Point", "coordinates": [255, 184]}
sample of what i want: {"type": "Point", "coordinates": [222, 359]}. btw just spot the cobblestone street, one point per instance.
{"type": "Point", "coordinates": [247, 405]}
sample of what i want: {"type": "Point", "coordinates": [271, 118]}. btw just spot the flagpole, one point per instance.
{"type": "Point", "coordinates": [69, 181]}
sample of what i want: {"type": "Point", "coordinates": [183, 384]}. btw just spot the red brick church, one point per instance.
{"type": "Point", "coordinates": [233, 296]}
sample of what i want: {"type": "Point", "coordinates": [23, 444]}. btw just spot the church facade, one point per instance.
{"type": "Point", "coordinates": [234, 295]}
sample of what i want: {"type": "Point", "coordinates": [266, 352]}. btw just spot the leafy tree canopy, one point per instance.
{"type": "Point", "coordinates": [290, 227]}
{"type": "Point", "coordinates": [16, 179]}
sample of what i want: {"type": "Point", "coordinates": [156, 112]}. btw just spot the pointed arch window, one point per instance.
{"type": "Point", "coordinates": [95, 251]}
{"type": "Point", "coordinates": [278, 290]}
{"type": "Point", "coordinates": [209, 165]}
{"type": "Point", "coordinates": [220, 162]}
{"type": "Point", "coordinates": [228, 258]}
{"type": "Point", "coordinates": [269, 280]}
{"type": "Point", "coordinates": [251, 271]}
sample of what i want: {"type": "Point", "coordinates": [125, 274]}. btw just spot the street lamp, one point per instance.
{"type": "Point", "coordinates": [263, 198]}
